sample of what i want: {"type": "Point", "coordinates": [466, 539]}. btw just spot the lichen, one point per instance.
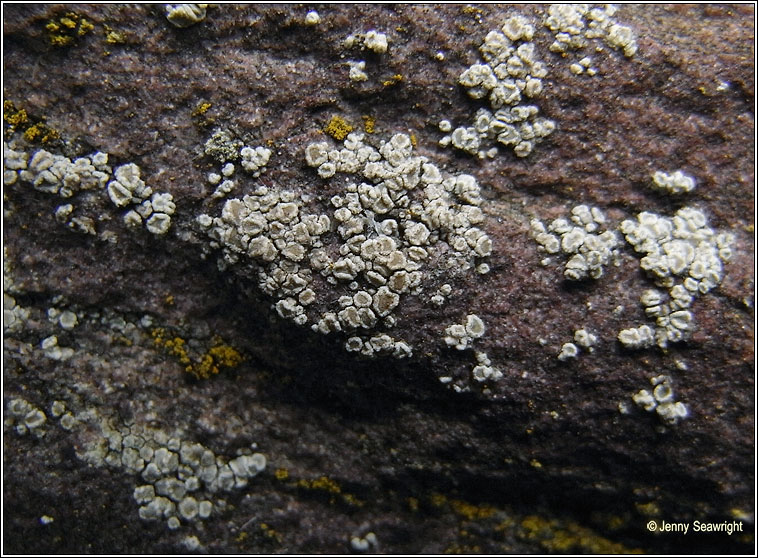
{"type": "Point", "coordinates": [14, 118]}
{"type": "Point", "coordinates": [185, 15]}
{"type": "Point", "coordinates": [567, 537]}
{"type": "Point", "coordinates": [510, 72]}
{"type": "Point", "coordinates": [65, 30]}
{"type": "Point", "coordinates": [338, 128]}
{"type": "Point", "coordinates": [369, 124]}
{"type": "Point", "coordinates": [218, 357]}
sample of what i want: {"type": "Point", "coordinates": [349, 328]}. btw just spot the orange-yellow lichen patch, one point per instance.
{"type": "Point", "coordinates": [203, 366]}
{"type": "Point", "coordinates": [562, 537]}
{"type": "Point", "coordinates": [13, 117]}
{"type": "Point", "coordinates": [338, 128]}
{"type": "Point", "coordinates": [471, 511]}
{"type": "Point", "coordinates": [42, 133]}
{"type": "Point", "coordinates": [369, 123]}
{"type": "Point", "coordinates": [65, 29]}
{"type": "Point", "coordinates": [394, 80]}
{"type": "Point", "coordinates": [282, 474]}
{"type": "Point", "coordinates": [201, 108]}
{"type": "Point", "coordinates": [113, 37]}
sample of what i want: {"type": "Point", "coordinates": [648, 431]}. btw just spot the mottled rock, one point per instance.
{"type": "Point", "coordinates": [540, 459]}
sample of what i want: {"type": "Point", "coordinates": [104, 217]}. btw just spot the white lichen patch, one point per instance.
{"type": "Point", "coordinates": [357, 70]}
{"type": "Point", "coordinates": [365, 543]}
{"type": "Point", "coordinates": [51, 350]}
{"type": "Point", "coordinates": [312, 18]}
{"type": "Point", "coordinates": [510, 74]}
{"type": "Point", "coordinates": [153, 208]}
{"type": "Point", "coordinates": [683, 255]}
{"type": "Point", "coordinates": [372, 40]}
{"type": "Point", "coordinates": [60, 175]}
{"type": "Point", "coordinates": [254, 159]}
{"type": "Point", "coordinates": [68, 320]}
{"type": "Point", "coordinates": [375, 240]}
{"type": "Point", "coordinates": [575, 25]}
{"type": "Point", "coordinates": [14, 315]}
{"type": "Point", "coordinates": [674, 183]}
{"type": "Point", "coordinates": [661, 400]}
{"type": "Point", "coordinates": [580, 238]}
{"type": "Point", "coordinates": [24, 417]}
{"type": "Point", "coordinates": [178, 480]}
{"type": "Point", "coordinates": [225, 149]}
{"type": "Point", "coordinates": [583, 340]}
{"type": "Point", "coordinates": [376, 41]}
{"type": "Point", "coordinates": [568, 350]}
{"type": "Point", "coordinates": [185, 15]}
{"type": "Point", "coordinates": [484, 371]}
{"type": "Point", "coordinates": [56, 174]}
{"type": "Point", "coordinates": [461, 337]}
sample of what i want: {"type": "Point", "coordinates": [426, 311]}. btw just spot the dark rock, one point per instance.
{"type": "Point", "coordinates": [545, 462]}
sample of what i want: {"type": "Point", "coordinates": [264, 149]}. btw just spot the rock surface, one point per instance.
{"type": "Point", "coordinates": [539, 460]}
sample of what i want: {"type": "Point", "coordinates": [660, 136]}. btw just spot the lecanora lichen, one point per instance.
{"type": "Point", "coordinates": [575, 25]}
{"type": "Point", "coordinates": [590, 250]}
{"type": "Point", "coordinates": [662, 401]}
{"type": "Point", "coordinates": [406, 213]}
{"type": "Point", "coordinates": [185, 15]}
{"type": "Point", "coordinates": [681, 254]}
{"type": "Point", "coordinates": [511, 72]}
{"type": "Point", "coordinates": [56, 174]}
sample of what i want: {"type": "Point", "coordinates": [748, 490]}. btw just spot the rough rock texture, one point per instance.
{"type": "Point", "coordinates": [543, 460]}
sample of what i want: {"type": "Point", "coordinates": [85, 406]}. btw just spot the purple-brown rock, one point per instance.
{"type": "Point", "coordinates": [182, 363]}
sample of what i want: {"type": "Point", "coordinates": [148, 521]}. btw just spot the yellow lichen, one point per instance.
{"type": "Point", "coordinates": [41, 132]}
{"type": "Point", "coordinates": [369, 123]}
{"type": "Point", "coordinates": [330, 488]}
{"type": "Point", "coordinates": [13, 117]}
{"type": "Point", "coordinates": [394, 80]}
{"type": "Point", "coordinates": [414, 140]}
{"type": "Point", "coordinates": [113, 37]}
{"type": "Point", "coordinates": [322, 483]}
{"type": "Point", "coordinates": [438, 500]}
{"type": "Point", "coordinates": [64, 30]}
{"type": "Point", "coordinates": [201, 108]}
{"type": "Point", "coordinates": [567, 537]}
{"type": "Point", "coordinates": [226, 356]}
{"type": "Point", "coordinates": [351, 500]}
{"type": "Point", "coordinates": [471, 10]}
{"type": "Point", "coordinates": [269, 533]}
{"type": "Point", "coordinates": [471, 511]}
{"type": "Point", "coordinates": [204, 366]}
{"type": "Point", "coordinates": [281, 474]}
{"type": "Point", "coordinates": [68, 22]}
{"type": "Point", "coordinates": [456, 548]}
{"type": "Point", "coordinates": [61, 40]}
{"type": "Point", "coordinates": [338, 128]}
{"type": "Point", "coordinates": [84, 27]}
{"type": "Point", "coordinates": [412, 503]}
{"type": "Point", "coordinates": [648, 509]}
